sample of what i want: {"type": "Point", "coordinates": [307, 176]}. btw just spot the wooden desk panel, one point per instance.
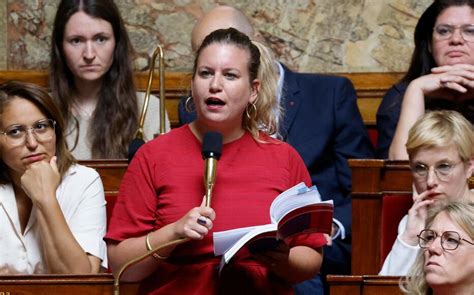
{"type": "Point", "coordinates": [100, 284]}
{"type": "Point", "coordinates": [343, 285]}
{"type": "Point", "coordinates": [111, 172]}
{"type": "Point", "coordinates": [363, 285]}
{"type": "Point", "coordinates": [371, 181]}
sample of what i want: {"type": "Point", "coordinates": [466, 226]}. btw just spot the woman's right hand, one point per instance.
{"type": "Point", "coordinates": [417, 216]}
{"type": "Point", "coordinates": [40, 181]}
{"type": "Point", "coordinates": [196, 224]}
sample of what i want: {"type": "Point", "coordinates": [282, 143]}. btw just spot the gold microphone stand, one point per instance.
{"type": "Point", "coordinates": [140, 258]}
{"type": "Point", "coordinates": [158, 52]}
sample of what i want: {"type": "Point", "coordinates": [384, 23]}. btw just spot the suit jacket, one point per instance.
{"type": "Point", "coordinates": [323, 123]}
{"type": "Point", "coordinates": [387, 118]}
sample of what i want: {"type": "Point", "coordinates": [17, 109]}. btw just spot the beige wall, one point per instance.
{"type": "Point", "coordinates": [311, 36]}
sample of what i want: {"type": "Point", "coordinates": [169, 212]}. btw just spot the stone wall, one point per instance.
{"type": "Point", "coordinates": [310, 36]}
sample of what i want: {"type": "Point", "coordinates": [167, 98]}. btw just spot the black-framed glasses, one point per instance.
{"type": "Point", "coordinates": [443, 170]}
{"type": "Point", "coordinates": [445, 31]}
{"type": "Point", "coordinates": [43, 131]}
{"type": "Point", "coordinates": [450, 240]}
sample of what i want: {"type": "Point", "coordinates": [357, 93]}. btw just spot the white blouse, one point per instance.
{"type": "Point", "coordinates": [81, 198]}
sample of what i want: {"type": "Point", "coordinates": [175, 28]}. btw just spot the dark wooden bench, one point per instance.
{"type": "Point", "coordinates": [370, 88]}
{"type": "Point", "coordinates": [99, 284]}
{"type": "Point", "coordinates": [363, 285]}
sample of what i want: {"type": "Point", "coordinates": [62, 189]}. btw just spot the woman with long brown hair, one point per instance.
{"type": "Point", "coordinates": [92, 80]}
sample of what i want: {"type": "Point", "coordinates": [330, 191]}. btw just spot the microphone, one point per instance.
{"type": "Point", "coordinates": [211, 152]}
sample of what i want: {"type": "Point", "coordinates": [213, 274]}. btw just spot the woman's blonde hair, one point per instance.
{"type": "Point", "coordinates": [268, 107]}
{"type": "Point", "coordinates": [439, 129]}
{"type": "Point", "coordinates": [462, 214]}
{"type": "Point", "coordinates": [263, 115]}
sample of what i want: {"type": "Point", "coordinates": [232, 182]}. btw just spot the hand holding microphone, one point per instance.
{"type": "Point", "coordinates": [211, 152]}
{"type": "Point", "coordinates": [198, 221]}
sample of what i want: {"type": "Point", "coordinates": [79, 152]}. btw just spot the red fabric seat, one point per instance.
{"type": "Point", "coordinates": [394, 207]}
{"type": "Point", "coordinates": [110, 198]}
{"type": "Point", "coordinates": [373, 135]}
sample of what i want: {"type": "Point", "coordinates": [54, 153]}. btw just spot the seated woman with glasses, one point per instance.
{"type": "Point", "coordinates": [446, 263]}
{"type": "Point", "coordinates": [52, 211]}
{"type": "Point", "coordinates": [440, 75]}
{"type": "Point", "coordinates": [441, 151]}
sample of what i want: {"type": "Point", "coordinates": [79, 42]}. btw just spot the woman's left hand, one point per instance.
{"type": "Point", "coordinates": [40, 180]}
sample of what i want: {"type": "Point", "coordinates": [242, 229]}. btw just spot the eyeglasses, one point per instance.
{"type": "Point", "coordinates": [43, 130]}
{"type": "Point", "coordinates": [443, 32]}
{"type": "Point", "coordinates": [443, 171]}
{"type": "Point", "coordinates": [450, 240]}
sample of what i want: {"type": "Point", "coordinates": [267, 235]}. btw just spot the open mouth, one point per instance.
{"type": "Point", "coordinates": [214, 102]}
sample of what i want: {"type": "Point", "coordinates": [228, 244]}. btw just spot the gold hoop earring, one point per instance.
{"type": "Point", "coordinates": [189, 105]}
{"type": "Point", "coordinates": [254, 111]}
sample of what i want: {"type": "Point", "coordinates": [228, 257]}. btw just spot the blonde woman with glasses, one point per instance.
{"type": "Point", "coordinates": [52, 210]}
{"type": "Point", "coordinates": [446, 263]}
{"type": "Point", "coordinates": [441, 153]}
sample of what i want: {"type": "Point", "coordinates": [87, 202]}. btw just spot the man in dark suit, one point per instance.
{"type": "Point", "coordinates": [323, 123]}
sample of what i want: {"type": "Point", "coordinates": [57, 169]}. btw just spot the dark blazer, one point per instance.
{"type": "Point", "coordinates": [387, 118]}
{"type": "Point", "coordinates": [323, 123]}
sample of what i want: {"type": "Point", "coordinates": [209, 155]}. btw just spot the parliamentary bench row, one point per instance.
{"type": "Point", "coordinates": [370, 88]}
{"type": "Point", "coordinates": [102, 284]}
{"type": "Point", "coordinates": [381, 195]}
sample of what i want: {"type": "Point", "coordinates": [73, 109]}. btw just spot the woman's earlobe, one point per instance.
{"type": "Point", "coordinates": [255, 88]}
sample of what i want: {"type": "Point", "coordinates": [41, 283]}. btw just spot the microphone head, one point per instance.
{"type": "Point", "coordinates": [212, 145]}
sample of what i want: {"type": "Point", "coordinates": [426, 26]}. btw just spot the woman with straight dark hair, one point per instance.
{"type": "Point", "coordinates": [440, 75]}
{"type": "Point", "coordinates": [92, 80]}
{"type": "Point", "coordinates": [52, 210]}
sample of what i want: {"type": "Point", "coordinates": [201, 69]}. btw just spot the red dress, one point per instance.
{"type": "Point", "coordinates": [165, 180]}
